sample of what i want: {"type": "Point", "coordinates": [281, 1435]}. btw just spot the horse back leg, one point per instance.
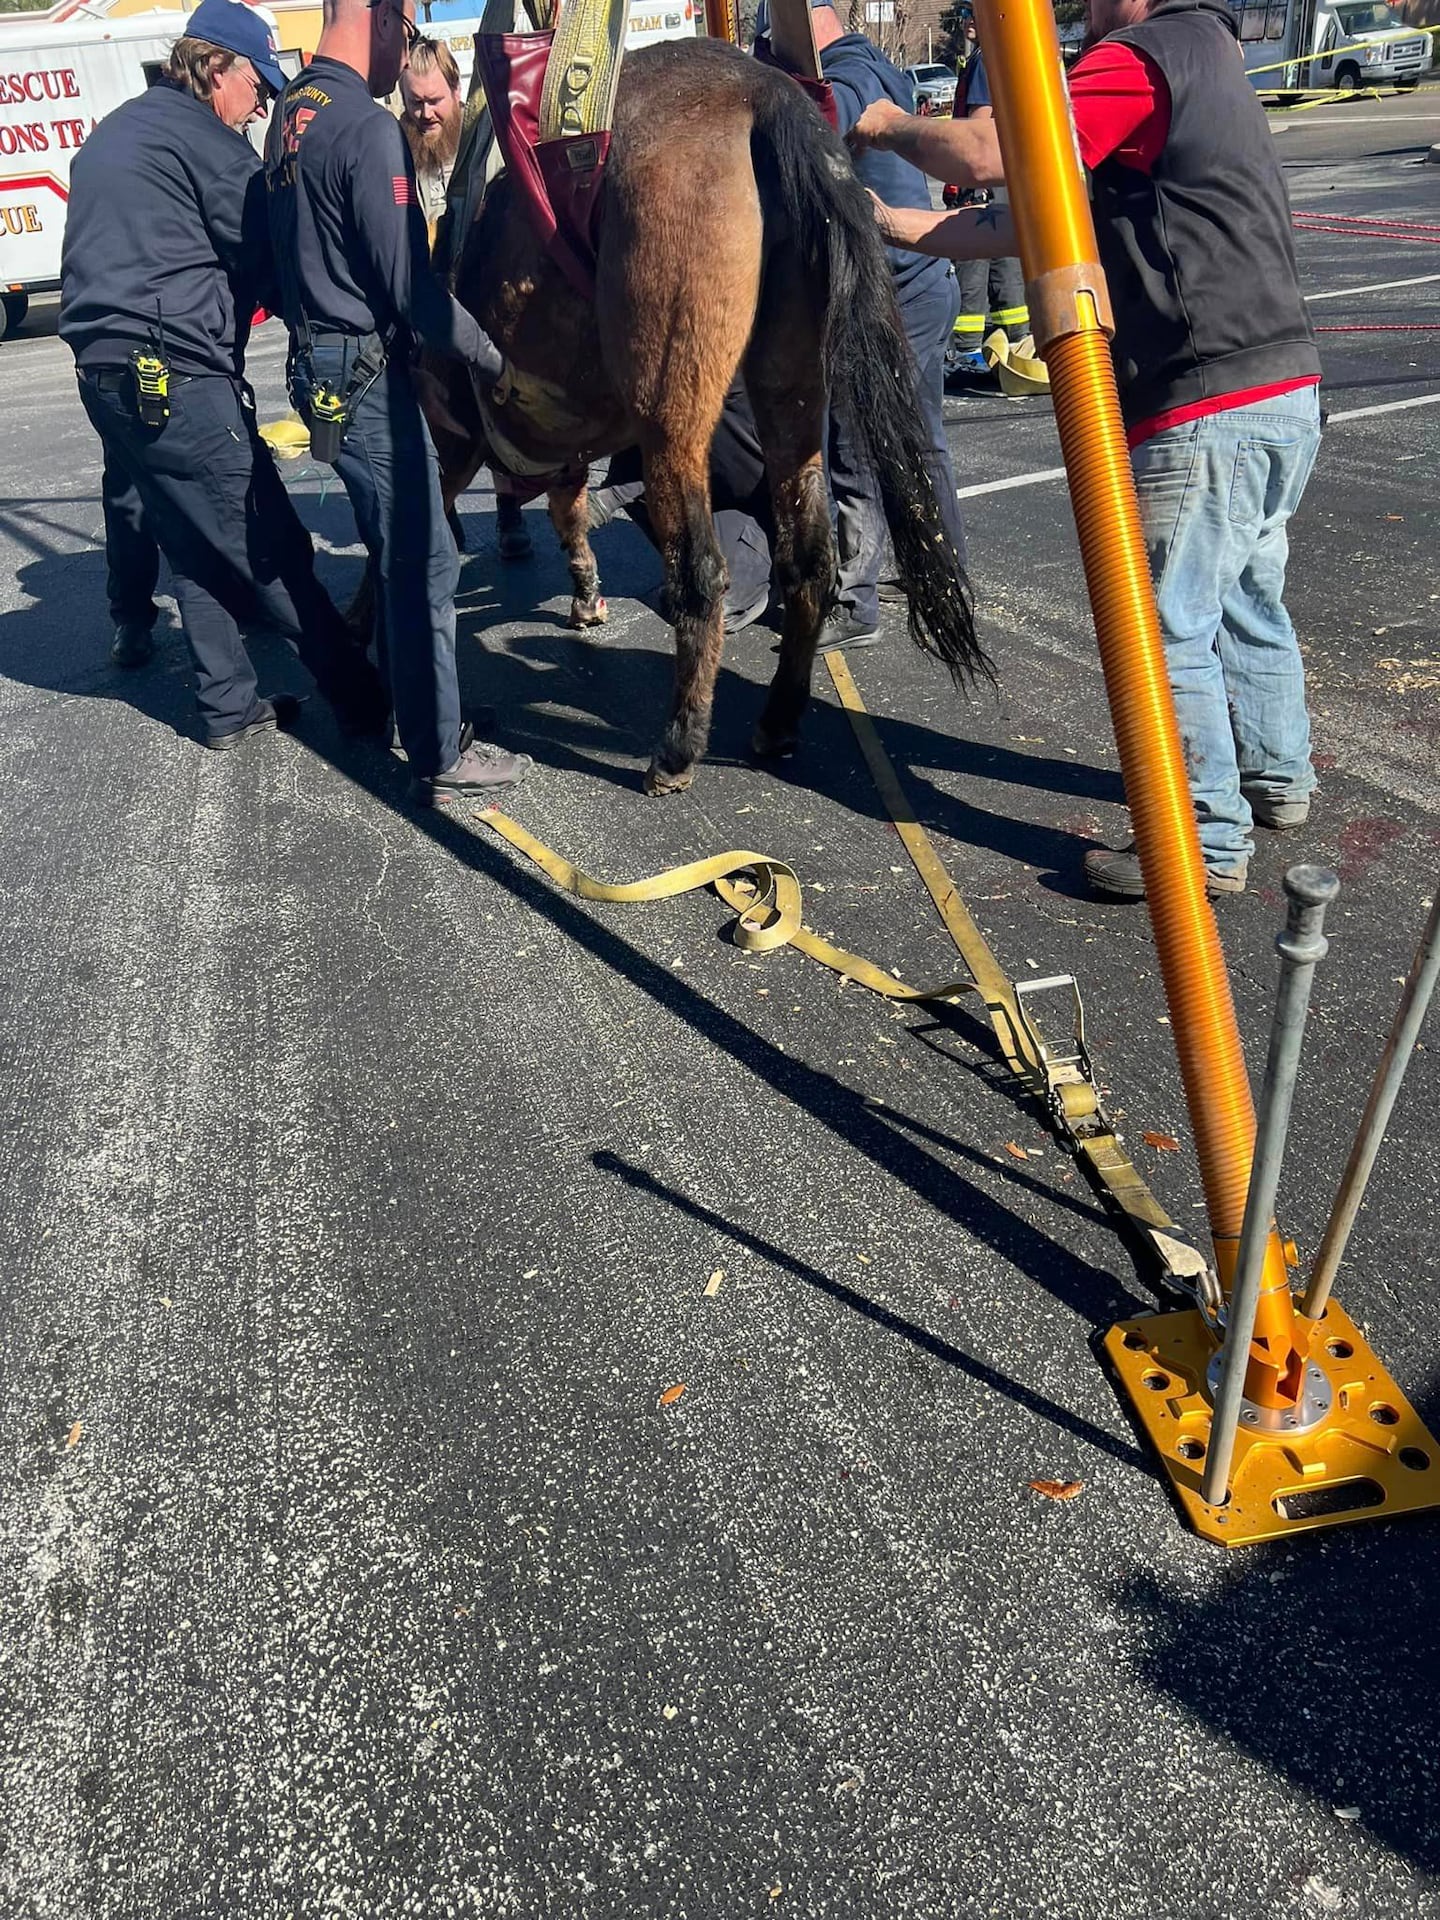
{"type": "Point", "coordinates": [787, 394]}
{"type": "Point", "coordinates": [676, 308]}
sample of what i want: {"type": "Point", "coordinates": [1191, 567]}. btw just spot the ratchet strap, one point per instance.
{"type": "Point", "coordinates": [765, 896]}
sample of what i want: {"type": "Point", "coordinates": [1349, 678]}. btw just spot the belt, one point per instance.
{"type": "Point", "coordinates": [122, 380]}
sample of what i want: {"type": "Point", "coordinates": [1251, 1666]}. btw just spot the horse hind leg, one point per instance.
{"type": "Point", "coordinates": [788, 398]}
{"type": "Point", "coordinates": [569, 516]}
{"type": "Point", "coordinates": [694, 604]}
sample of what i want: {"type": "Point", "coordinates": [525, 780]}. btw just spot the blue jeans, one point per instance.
{"type": "Point", "coordinates": [1215, 496]}
{"type": "Point", "coordinates": [391, 472]}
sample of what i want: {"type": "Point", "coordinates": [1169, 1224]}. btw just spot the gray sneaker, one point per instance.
{"type": "Point", "coordinates": [481, 772]}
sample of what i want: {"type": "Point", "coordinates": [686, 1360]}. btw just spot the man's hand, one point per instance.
{"type": "Point", "coordinates": [875, 126]}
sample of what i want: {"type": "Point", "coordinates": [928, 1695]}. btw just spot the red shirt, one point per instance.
{"type": "Point", "coordinates": [1121, 104]}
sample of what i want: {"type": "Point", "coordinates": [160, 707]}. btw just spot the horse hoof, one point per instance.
{"type": "Point", "coordinates": [773, 746]}
{"type": "Point", "coordinates": [589, 613]}
{"type": "Point", "coordinates": [658, 781]}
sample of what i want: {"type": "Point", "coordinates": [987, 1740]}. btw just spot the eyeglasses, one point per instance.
{"type": "Point", "coordinates": [407, 26]}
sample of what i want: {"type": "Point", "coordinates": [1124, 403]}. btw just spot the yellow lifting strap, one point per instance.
{"type": "Point", "coordinates": [583, 70]}
{"type": "Point", "coordinates": [764, 894]}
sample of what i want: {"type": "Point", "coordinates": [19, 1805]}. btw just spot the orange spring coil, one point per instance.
{"type": "Point", "coordinates": [1197, 988]}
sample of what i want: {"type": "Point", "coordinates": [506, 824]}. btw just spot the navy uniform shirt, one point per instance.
{"type": "Point", "coordinates": [167, 206]}
{"type": "Point", "coordinates": [351, 246]}
{"type": "Point", "coordinates": [859, 73]}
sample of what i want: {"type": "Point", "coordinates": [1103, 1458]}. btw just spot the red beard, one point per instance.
{"type": "Point", "coordinates": [435, 150]}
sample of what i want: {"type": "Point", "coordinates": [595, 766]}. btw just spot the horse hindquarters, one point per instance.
{"type": "Point", "coordinates": [679, 276]}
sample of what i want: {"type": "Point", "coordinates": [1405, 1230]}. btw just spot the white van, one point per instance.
{"type": "Point", "coordinates": [56, 80]}
{"type": "Point", "coordinates": [1345, 44]}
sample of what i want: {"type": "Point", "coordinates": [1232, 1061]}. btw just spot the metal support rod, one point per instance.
{"type": "Point", "coordinates": [1419, 986]}
{"type": "Point", "coordinates": [1301, 946]}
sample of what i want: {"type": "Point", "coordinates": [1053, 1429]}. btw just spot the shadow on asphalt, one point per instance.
{"type": "Point", "coordinates": [1074, 1424]}
{"type": "Point", "coordinates": [1337, 1693]}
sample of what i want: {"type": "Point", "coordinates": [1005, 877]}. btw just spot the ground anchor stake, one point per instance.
{"type": "Point", "coordinates": [1347, 1445]}
{"type": "Point", "coordinates": [1302, 946]}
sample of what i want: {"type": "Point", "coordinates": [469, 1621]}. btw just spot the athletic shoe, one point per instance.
{"type": "Point", "coordinates": [132, 647]}
{"type": "Point", "coordinates": [480, 773]}
{"type": "Point", "coordinates": [282, 711]}
{"type": "Point", "coordinates": [1114, 874]}
{"type": "Point", "coordinates": [846, 632]}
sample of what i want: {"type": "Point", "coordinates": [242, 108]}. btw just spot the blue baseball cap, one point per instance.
{"type": "Point", "coordinates": [239, 29]}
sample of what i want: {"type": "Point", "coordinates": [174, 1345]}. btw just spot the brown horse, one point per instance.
{"type": "Point", "coordinates": [734, 237]}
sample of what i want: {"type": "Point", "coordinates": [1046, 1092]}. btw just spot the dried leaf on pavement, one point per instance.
{"type": "Point", "coordinates": [72, 1439]}
{"type": "Point", "coordinates": [672, 1394]}
{"type": "Point", "coordinates": [1162, 1142]}
{"type": "Point", "coordinates": [1017, 1153]}
{"type": "Point", "coordinates": [1057, 1489]}
{"type": "Point", "coordinates": [714, 1283]}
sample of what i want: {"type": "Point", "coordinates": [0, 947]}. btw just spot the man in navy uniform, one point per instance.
{"type": "Point", "coordinates": [929, 300]}
{"type": "Point", "coordinates": [358, 295]}
{"type": "Point", "coordinates": [166, 256]}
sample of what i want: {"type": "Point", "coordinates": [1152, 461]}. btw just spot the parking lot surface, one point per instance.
{"type": "Point", "coordinates": [360, 1198]}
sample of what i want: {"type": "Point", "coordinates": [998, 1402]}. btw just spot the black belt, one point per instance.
{"type": "Point", "coordinates": [122, 380]}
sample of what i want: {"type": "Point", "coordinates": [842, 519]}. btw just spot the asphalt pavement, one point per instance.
{"type": "Point", "coordinates": [360, 1199]}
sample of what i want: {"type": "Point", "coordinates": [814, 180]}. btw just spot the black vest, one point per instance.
{"type": "Point", "coordinates": [1199, 253]}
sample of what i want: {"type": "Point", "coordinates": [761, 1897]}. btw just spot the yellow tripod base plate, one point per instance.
{"type": "Point", "coordinates": [1370, 1456]}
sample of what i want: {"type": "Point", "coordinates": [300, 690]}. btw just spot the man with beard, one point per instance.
{"type": "Point", "coordinates": [430, 90]}
{"type": "Point", "coordinates": [431, 122]}
{"type": "Point", "coordinates": [1218, 392]}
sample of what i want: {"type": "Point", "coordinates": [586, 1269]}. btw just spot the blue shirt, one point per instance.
{"type": "Point", "coordinates": [860, 74]}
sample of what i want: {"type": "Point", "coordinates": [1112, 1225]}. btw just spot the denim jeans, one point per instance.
{"type": "Point", "coordinates": [1215, 496]}
{"type": "Point", "coordinates": [391, 472]}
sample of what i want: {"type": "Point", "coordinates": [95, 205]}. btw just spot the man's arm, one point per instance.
{"type": "Point", "coordinates": [233, 205]}
{"type": "Point", "coordinates": [970, 233]}
{"type": "Point", "coordinates": [391, 229]}
{"type": "Point", "coordinates": [964, 152]}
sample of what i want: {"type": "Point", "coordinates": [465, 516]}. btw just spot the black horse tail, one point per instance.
{"type": "Point", "coordinates": [869, 368]}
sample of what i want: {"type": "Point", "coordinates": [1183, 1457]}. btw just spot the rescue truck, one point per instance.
{"type": "Point", "coordinates": [1346, 44]}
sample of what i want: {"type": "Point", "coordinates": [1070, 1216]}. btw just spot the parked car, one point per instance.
{"type": "Point", "coordinates": [934, 88]}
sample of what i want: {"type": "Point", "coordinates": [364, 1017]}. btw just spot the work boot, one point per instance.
{"type": "Point", "coordinates": [481, 773]}
{"type": "Point", "coordinates": [1114, 874]}
{"type": "Point", "coordinates": [281, 712]}
{"type": "Point", "coordinates": [845, 632]}
{"type": "Point", "coordinates": [515, 541]}
{"type": "Point", "coordinates": [132, 647]}
{"type": "Point", "coordinates": [1282, 813]}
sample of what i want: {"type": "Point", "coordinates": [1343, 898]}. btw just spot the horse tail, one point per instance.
{"type": "Point", "coordinates": [805, 173]}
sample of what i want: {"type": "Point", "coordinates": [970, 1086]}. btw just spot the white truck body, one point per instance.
{"type": "Point", "coordinates": [1329, 43]}
{"type": "Point", "coordinates": [56, 81]}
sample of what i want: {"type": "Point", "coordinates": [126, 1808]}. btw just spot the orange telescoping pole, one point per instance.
{"type": "Point", "coordinates": [1070, 316]}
